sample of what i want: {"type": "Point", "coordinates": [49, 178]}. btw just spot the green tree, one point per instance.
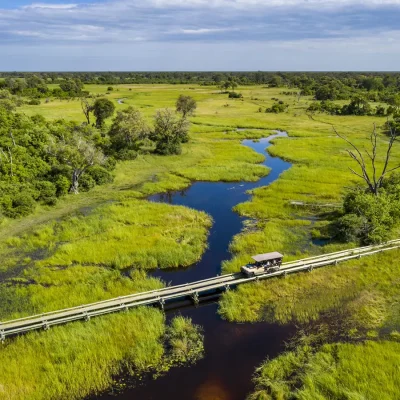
{"type": "Point", "coordinates": [186, 105]}
{"type": "Point", "coordinates": [78, 151]}
{"type": "Point", "coordinates": [102, 109]}
{"type": "Point", "coordinates": [369, 218]}
{"type": "Point", "coordinates": [232, 83]}
{"type": "Point", "coordinates": [169, 132]}
{"type": "Point", "coordinates": [72, 86]}
{"type": "Point", "coordinates": [127, 130]}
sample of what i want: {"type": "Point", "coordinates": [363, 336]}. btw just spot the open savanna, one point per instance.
{"type": "Point", "coordinates": [75, 252]}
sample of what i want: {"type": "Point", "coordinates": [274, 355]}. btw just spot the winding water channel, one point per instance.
{"type": "Point", "coordinates": [232, 351]}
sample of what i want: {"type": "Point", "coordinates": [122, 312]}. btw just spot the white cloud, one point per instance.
{"type": "Point", "coordinates": [204, 31]}
{"type": "Point", "coordinates": [268, 3]}
{"type": "Point", "coordinates": [50, 6]}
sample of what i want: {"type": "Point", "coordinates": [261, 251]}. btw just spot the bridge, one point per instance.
{"type": "Point", "coordinates": [194, 291]}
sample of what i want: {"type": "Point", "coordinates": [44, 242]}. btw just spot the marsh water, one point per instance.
{"type": "Point", "coordinates": [232, 351]}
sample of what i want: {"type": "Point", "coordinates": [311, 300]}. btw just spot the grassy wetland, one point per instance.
{"type": "Point", "coordinates": [102, 243]}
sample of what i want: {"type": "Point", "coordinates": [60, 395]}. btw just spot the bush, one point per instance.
{"type": "Point", "coordinates": [352, 227]}
{"type": "Point", "coordinates": [234, 95]}
{"type": "Point", "coordinates": [370, 218]}
{"type": "Point", "coordinates": [165, 148]}
{"type": "Point", "coordinates": [126, 154]}
{"type": "Point", "coordinates": [20, 205]}
{"type": "Point", "coordinates": [47, 192]}
{"type": "Point", "coordinates": [100, 175]}
{"type": "Point", "coordinates": [110, 163]}
{"type": "Point", "coordinates": [110, 89]}
{"type": "Point", "coordinates": [34, 102]}
{"type": "Point", "coordinates": [277, 108]}
{"type": "Point", "coordinates": [62, 184]}
{"type": "Point", "coordinates": [86, 183]}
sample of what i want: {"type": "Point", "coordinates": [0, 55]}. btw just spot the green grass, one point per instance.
{"type": "Point", "coordinates": [74, 361]}
{"type": "Point", "coordinates": [305, 297]}
{"type": "Point", "coordinates": [58, 257]}
{"type": "Point", "coordinates": [336, 371]}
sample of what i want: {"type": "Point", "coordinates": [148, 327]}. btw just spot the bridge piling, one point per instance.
{"type": "Point", "coordinates": [195, 298]}
{"type": "Point", "coordinates": [161, 301]}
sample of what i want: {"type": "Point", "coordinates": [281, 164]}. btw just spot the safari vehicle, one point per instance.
{"type": "Point", "coordinates": [264, 263]}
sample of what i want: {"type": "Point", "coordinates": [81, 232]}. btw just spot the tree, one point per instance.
{"type": "Point", "coordinates": [87, 108]}
{"type": "Point", "coordinates": [224, 86]}
{"type": "Point", "coordinates": [276, 81]}
{"type": "Point", "coordinates": [186, 105]}
{"type": "Point", "coordinates": [358, 106]}
{"type": "Point", "coordinates": [72, 86]}
{"type": "Point", "coordinates": [78, 152]}
{"type": "Point", "coordinates": [103, 109]}
{"type": "Point", "coordinates": [232, 83]}
{"type": "Point", "coordinates": [374, 182]}
{"type": "Point", "coordinates": [36, 82]}
{"type": "Point", "coordinates": [169, 132]}
{"type": "Point", "coordinates": [128, 129]}
{"type": "Point", "coordinates": [368, 218]}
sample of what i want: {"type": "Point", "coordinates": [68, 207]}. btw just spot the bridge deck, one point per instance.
{"type": "Point", "coordinates": [193, 290]}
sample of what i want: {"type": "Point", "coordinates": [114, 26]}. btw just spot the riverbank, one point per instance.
{"type": "Point", "coordinates": [214, 153]}
{"type": "Point", "coordinates": [77, 260]}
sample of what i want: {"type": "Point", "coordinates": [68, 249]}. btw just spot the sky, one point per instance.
{"type": "Point", "coordinates": [200, 35]}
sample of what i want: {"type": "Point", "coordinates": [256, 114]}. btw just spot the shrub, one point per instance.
{"type": "Point", "coordinates": [234, 95]}
{"type": "Point", "coordinates": [126, 154]}
{"type": "Point", "coordinates": [165, 148]}
{"type": "Point", "coordinates": [110, 163]}
{"type": "Point", "coordinates": [20, 205]}
{"type": "Point", "coordinates": [47, 192]}
{"type": "Point", "coordinates": [86, 183]}
{"type": "Point", "coordinates": [100, 175]}
{"type": "Point", "coordinates": [277, 108]}
{"type": "Point", "coordinates": [62, 184]}
{"type": "Point", "coordinates": [34, 102]}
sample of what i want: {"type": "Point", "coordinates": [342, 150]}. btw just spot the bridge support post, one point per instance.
{"type": "Point", "coordinates": [46, 325]}
{"type": "Point", "coordinates": [86, 316]}
{"type": "Point", "coordinates": [195, 298]}
{"type": "Point", "coordinates": [310, 268]}
{"type": "Point", "coordinates": [2, 336]}
{"type": "Point", "coordinates": [161, 302]}
{"type": "Point", "coordinates": [227, 288]}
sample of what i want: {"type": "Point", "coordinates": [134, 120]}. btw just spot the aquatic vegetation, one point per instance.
{"type": "Point", "coordinates": [335, 371]}
{"type": "Point", "coordinates": [77, 360]}
{"type": "Point", "coordinates": [74, 253]}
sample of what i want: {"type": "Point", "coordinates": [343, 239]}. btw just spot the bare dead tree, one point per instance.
{"type": "Point", "coordinates": [87, 108]}
{"type": "Point", "coordinates": [375, 180]}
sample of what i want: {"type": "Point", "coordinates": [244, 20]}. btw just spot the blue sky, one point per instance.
{"type": "Point", "coordinates": [199, 35]}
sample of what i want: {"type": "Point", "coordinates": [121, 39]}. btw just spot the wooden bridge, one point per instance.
{"type": "Point", "coordinates": [194, 290]}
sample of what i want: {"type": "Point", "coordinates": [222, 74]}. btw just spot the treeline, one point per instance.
{"type": "Point", "coordinates": [359, 105]}
{"type": "Point", "coordinates": [36, 87]}
{"type": "Point", "coordinates": [42, 160]}
{"type": "Point", "coordinates": [324, 85]}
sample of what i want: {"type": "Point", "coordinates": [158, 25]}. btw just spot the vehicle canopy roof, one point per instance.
{"type": "Point", "coordinates": [267, 256]}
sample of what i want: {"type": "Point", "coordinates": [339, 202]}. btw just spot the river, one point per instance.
{"type": "Point", "coordinates": [232, 351]}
